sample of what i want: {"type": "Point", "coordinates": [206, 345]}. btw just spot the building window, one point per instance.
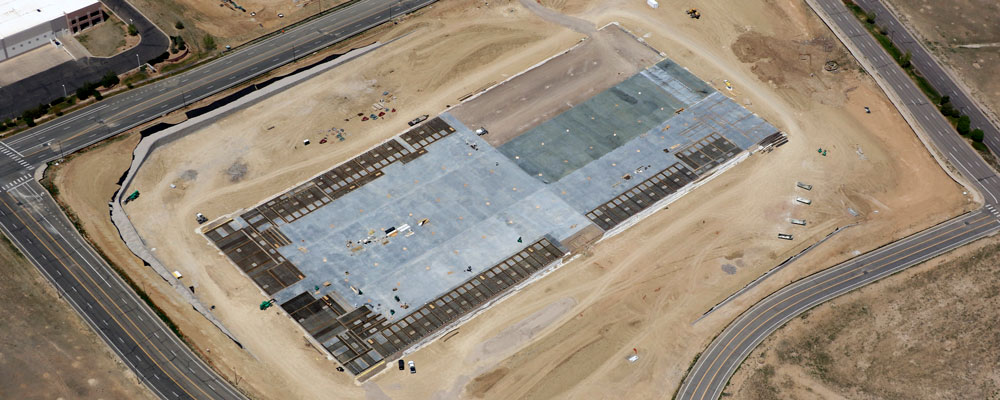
{"type": "Point", "coordinates": [95, 13]}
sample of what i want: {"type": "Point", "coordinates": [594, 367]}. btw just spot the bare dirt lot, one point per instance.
{"type": "Point", "coordinates": [606, 58]}
{"type": "Point", "coordinates": [48, 352]}
{"type": "Point", "coordinates": [927, 333]}
{"type": "Point", "coordinates": [567, 335]}
{"type": "Point", "coordinates": [965, 34]}
{"type": "Point", "coordinates": [229, 25]}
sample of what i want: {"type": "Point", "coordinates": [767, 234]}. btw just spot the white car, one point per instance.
{"type": "Point", "coordinates": [413, 368]}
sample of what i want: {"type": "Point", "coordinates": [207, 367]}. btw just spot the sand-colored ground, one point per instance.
{"type": "Point", "coordinates": [926, 333]}
{"type": "Point", "coordinates": [606, 58]}
{"type": "Point", "coordinates": [948, 28]}
{"type": "Point", "coordinates": [568, 334]}
{"type": "Point", "coordinates": [219, 18]}
{"type": "Point", "coordinates": [48, 352]}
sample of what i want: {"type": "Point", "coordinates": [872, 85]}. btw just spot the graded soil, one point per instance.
{"type": "Point", "coordinates": [568, 334]}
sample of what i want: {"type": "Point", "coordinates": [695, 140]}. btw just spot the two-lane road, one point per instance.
{"type": "Point", "coordinates": [724, 355]}
{"type": "Point", "coordinates": [711, 372]}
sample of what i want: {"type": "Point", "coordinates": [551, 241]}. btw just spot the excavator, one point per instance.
{"type": "Point", "coordinates": [693, 13]}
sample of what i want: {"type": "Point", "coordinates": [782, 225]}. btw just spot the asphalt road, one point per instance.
{"type": "Point", "coordinates": [115, 114]}
{"type": "Point", "coordinates": [36, 225]}
{"type": "Point", "coordinates": [929, 68]}
{"type": "Point", "coordinates": [47, 85]}
{"type": "Point", "coordinates": [43, 234]}
{"type": "Point", "coordinates": [713, 369]}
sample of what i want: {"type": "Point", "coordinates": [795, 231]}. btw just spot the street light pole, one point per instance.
{"type": "Point", "coordinates": [64, 89]}
{"type": "Point", "coordinates": [138, 64]}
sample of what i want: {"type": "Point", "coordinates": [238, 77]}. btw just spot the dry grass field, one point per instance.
{"type": "Point", "coordinates": [48, 352]}
{"type": "Point", "coordinates": [221, 20]}
{"type": "Point", "coordinates": [965, 34]}
{"type": "Point", "coordinates": [926, 333]}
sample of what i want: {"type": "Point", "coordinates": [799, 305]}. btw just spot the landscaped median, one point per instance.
{"type": "Point", "coordinates": [959, 121]}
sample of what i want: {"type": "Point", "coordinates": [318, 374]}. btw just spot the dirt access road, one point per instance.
{"type": "Point", "coordinates": [623, 293]}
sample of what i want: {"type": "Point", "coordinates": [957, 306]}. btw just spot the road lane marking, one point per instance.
{"type": "Point", "coordinates": [878, 276]}
{"type": "Point", "coordinates": [12, 149]}
{"type": "Point", "coordinates": [80, 282]}
{"type": "Point", "coordinates": [845, 265]}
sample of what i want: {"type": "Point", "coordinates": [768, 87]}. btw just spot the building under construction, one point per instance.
{"type": "Point", "coordinates": [394, 246]}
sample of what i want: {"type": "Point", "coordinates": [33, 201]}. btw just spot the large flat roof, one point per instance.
{"type": "Point", "coordinates": [19, 15]}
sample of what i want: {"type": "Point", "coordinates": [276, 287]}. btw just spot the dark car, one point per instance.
{"type": "Point", "coordinates": [402, 365]}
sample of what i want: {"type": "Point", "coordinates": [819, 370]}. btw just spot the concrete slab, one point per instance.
{"type": "Point", "coordinates": [478, 204]}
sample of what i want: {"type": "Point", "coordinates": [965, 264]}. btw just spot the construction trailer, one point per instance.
{"type": "Point", "coordinates": [784, 236]}
{"type": "Point", "coordinates": [798, 221]}
{"type": "Point", "coordinates": [804, 186]}
{"type": "Point", "coordinates": [803, 200]}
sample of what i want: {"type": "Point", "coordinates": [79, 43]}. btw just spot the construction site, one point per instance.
{"type": "Point", "coordinates": [382, 252]}
{"type": "Point", "coordinates": [529, 236]}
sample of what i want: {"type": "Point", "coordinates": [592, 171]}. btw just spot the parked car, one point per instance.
{"type": "Point", "coordinates": [413, 368]}
{"type": "Point", "coordinates": [402, 365]}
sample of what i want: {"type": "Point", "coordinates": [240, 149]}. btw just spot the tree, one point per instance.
{"type": "Point", "coordinates": [110, 79]}
{"type": "Point", "coordinates": [948, 110]}
{"type": "Point", "coordinates": [963, 125]}
{"type": "Point", "coordinates": [870, 18]}
{"type": "Point", "coordinates": [945, 100]}
{"type": "Point", "coordinates": [208, 42]}
{"type": "Point", "coordinates": [977, 135]}
{"type": "Point", "coordinates": [904, 61]}
{"type": "Point", "coordinates": [98, 96]}
{"type": "Point", "coordinates": [132, 30]}
{"type": "Point", "coordinates": [178, 25]}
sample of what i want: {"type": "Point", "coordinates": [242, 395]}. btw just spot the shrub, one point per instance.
{"type": "Point", "coordinates": [980, 146]}
{"type": "Point", "coordinates": [30, 122]}
{"type": "Point", "coordinates": [57, 101]}
{"type": "Point", "coordinates": [208, 42]}
{"type": "Point", "coordinates": [160, 58]}
{"type": "Point", "coordinates": [945, 100]}
{"type": "Point", "coordinates": [132, 30]}
{"type": "Point", "coordinates": [178, 25]}
{"type": "Point", "coordinates": [905, 61]}
{"type": "Point", "coordinates": [870, 17]}
{"type": "Point", "coordinates": [977, 135]}
{"type": "Point", "coordinates": [963, 125]}
{"type": "Point", "coordinates": [98, 96]}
